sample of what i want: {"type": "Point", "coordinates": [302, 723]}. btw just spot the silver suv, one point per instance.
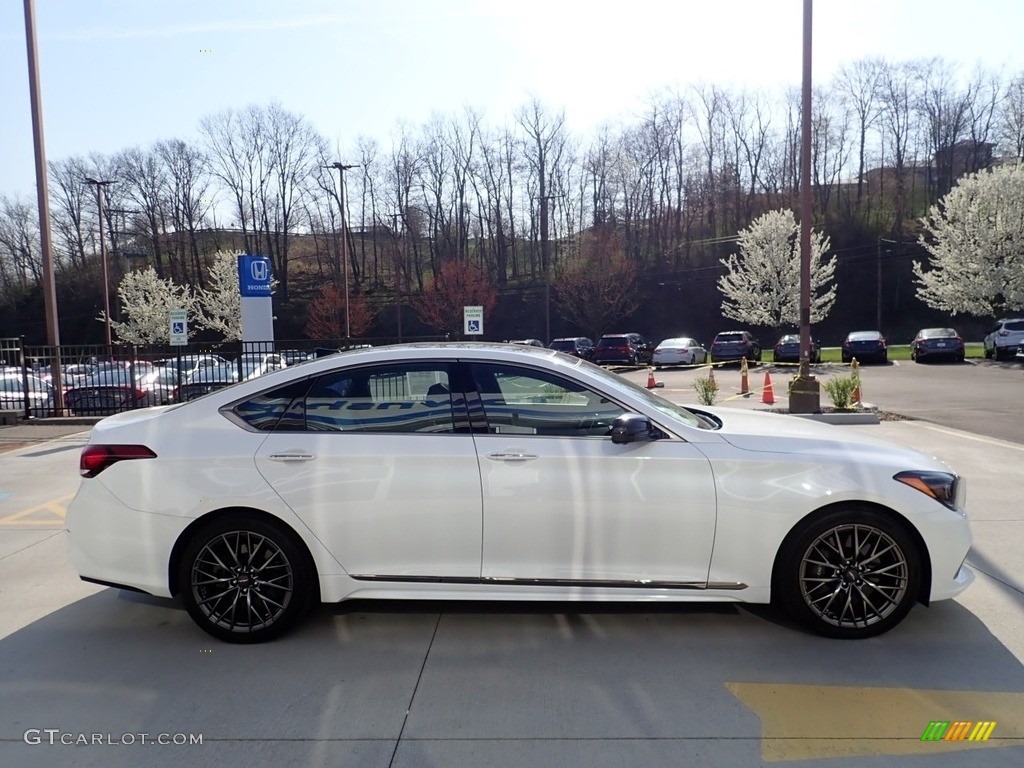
{"type": "Point", "coordinates": [1005, 337]}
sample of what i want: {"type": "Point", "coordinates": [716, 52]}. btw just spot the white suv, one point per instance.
{"type": "Point", "coordinates": [1004, 339]}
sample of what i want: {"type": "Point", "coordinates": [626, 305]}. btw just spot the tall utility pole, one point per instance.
{"type": "Point", "coordinates": [805, 194]}
{"type": "Point", "coordinates": [43, 201]}
{"type": "Point", "coordinates": [805, 390]}
{"type": "Point", "coordinates": [399, 271]}
{"type": "Point", "coordinates": [100, 184]}
{"type": "Point", "coordinates": [344, 239]}
{"type": "Point", "coordinates": [546, 263]}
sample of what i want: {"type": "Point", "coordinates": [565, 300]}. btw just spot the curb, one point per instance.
{"type": "Point", "coordinates": [863, 417]}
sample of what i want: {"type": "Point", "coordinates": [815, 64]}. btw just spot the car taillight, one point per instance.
{"type": "Point", "coordinates": [96, 458]}
{"type": "Point", "coordinates": [139, 394]}
{"type": "Point", "coordinates": [1004, 333]}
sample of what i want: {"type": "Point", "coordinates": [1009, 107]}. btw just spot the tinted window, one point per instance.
{"type": "Point", "coordinates": [395, 398]}
{"type": "Point", "coordinates": [267, 410]}
{"type": "Point", "coordinates": [1015, 325]}
{"type": "Point", "coordinates": [522, 401]}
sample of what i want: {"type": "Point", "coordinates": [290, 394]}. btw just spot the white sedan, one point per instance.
{"type": "Point", "coordinates": [680, 351]}
{"type": "Point", "coordinates": [502, 472]}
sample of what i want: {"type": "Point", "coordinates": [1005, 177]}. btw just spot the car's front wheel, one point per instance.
{"type": "Point", "coordinates": [245, 580]}
{"type": "Point", "coordinates": [851, 573]}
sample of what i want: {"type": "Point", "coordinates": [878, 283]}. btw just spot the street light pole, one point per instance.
{"type": "Point", "coordinates": [100, 184]}
{"type": "Point", "coordinates": [344, 240]}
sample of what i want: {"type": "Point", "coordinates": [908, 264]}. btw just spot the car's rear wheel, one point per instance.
{"type": "Point", "coordinates": [245, 580]}
{"type": "Point", "coordinates": [852, 573]}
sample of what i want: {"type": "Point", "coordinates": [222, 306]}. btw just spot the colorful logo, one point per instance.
{"type": "Point", "coordinates": [958, 730]}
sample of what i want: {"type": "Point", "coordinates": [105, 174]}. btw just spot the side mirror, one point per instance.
{"type": "Point", "coordinates": [632, 428]}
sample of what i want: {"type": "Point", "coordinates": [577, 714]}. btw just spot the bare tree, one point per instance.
{"type": "Point", "coordinates": [188, 196]}
{"type": "Point", "coordinates": [1011, 118]}
{"type": "Point", "coordinates": [542, 148]}
{"type": "Point", "coordinates": [897, 102]}
{"type": "Point", "coordinates": [20, 255]}
{"type": "Point", "coordinates": [859, 85]}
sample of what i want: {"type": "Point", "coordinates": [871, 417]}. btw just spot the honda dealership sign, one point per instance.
{"type": "Point", "coordinates": [255, 279]}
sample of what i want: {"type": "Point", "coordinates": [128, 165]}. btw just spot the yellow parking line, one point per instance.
{"type": "Point", "coordinates": [818, 722]}
{"type": "Point", "coordinates": [50, 513]}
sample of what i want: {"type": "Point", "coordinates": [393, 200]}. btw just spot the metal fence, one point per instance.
{"type": "Point", "coordinates": [97, 380]}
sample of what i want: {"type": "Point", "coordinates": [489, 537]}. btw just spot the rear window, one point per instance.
{"type": "Point", "coordinates": [864, 336]}
{"type": "Point", "coordinates": [1015, 325]}
{"type": "Point", "coordinates": [614, 341]}
{"type": "Point", "coordinates": [729, 338]}
{"type": "Point", "coordinates": [563, 345]}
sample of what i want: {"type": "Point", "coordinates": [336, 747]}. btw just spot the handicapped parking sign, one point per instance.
{"type": "Point", "coordinates": [178, 319]}
{"type": "Point", "coordinates": [473, 321]}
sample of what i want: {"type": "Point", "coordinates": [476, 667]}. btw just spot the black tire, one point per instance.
{"type": "Point", "coordinates": [246, 580]}
{"type": "Point", "coordinates": [988, 353]}
{"type": "Point", "coordinates": [851, 573]}
{"type": "Point", "coordinates": [996, 354]}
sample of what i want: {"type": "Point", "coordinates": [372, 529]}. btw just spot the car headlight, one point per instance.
{"type": "Point", "coordinates": [945, 487]}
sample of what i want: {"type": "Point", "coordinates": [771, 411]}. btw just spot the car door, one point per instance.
{"type": "Point", "coordinates": [379, 463]}
{"type": "Point", "coordinates": [564, 505]}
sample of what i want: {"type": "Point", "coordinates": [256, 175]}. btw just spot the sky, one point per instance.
{"type": "Point", "coordinates": [122, 73]}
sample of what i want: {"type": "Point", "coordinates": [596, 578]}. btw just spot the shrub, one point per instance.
{"type": "Point", "coordinates": [707, 389]}
{"type": "Point", "coordinates": [840, 390]}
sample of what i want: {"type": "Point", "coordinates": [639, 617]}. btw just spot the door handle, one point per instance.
{"type": "Point", "coordinates": [292, 456]}
{"type": "Point", "coordinates": [512, 456]}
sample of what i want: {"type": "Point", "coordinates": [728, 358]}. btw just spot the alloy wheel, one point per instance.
{"type": "Point", "coordinates": [242, 582]}
{"type": "Point", "coordinates": [854, 576]}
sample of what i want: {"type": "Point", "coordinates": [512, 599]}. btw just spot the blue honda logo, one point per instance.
{"type": "Point", "coordinates": [254, 278]}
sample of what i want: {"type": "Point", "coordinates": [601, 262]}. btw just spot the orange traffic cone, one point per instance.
{"type": "Point", "coordinates": [711, 377]}
{"type": "Point", "coordinates": [768, 396]}
{"type": "Point", "coordinates": [651, 383]}
{"type": "Point", "coordinates": [855, 372]}
{"type": "Point", "coordinates": [744, 380]}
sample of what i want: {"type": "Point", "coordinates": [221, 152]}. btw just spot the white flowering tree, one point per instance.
{"type": "Point", "coordinates": [976, 242]}
{"type": "Point", "coordinates": [761, 285]}
{"type": "Point", "coordinates": [220, 303]}
{"type": "Point", "coordinates": [146, 301]}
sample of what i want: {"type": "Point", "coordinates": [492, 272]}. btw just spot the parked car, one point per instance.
{"type": "Point", "coordinates": [679, 351]}
{"type": "Point", "coordinates": [577, 346]}
{"type": "Point", "coordinates": [733, 346]}
{"type": "Point", "coordinates": [937, 343]}
{"type": "Point", "coordinates": [257, 363]}
{"type": "Point", "coordinates": [109, 390]}
{"type": "Point", "coordinates": [71, 374]}
{"type": "Point", "coordinates": [13, 394]}
{"type": "Point", "coordinates": [1004, 339]}
{"type": "Point", "coordinates": [255, 501]}
{"type": "Point", "coordinates": [527, 342]}
{"type": "Point", "coordinates": [787, 350]}
{"type": "Point", "coordinates": [624, 348]}
{"type": "Point", "coordinates": [204, 380]}
{"type": "Point", "coordinates": [189, 364]}
{"type": "Point", "coordinates": [866, 346]}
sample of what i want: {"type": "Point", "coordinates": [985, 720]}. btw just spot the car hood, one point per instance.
{"type": "Point", "coordinates": [794, 435]}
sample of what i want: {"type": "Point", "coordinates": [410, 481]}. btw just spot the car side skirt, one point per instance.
{"type": "Point", "coordinates": [574, 583]}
